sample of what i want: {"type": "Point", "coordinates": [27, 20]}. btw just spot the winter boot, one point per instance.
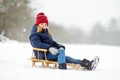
{"type": "Point", "coordinates": [62, 66]}
{"type": "Point", "coordinates": [86, 63]}
{"type": "Point", "coordinates": [90, 65]}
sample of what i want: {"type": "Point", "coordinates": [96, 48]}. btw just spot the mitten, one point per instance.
{"type": "Point", "coordinates": [53, 50]}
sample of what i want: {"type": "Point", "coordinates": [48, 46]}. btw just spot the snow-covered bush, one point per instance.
{"type": "Point", "coordinates": [3, 38]}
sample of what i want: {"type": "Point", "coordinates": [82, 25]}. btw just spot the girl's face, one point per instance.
{"type": "Point", "coordinates": [43, 25]}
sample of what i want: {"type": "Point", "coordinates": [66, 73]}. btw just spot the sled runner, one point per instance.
{"type": "Point", "coordinates": [46, 63]}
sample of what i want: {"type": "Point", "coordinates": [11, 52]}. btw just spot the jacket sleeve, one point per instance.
{"type": "Point", "coordinates": [36, 42]}
{"type": "Point", "coordinates": [58, 45]}
{"type": "Point", "coordinates": [34, 29]}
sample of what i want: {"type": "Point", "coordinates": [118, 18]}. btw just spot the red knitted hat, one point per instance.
{"type": "Point", "coordinates": [41, 18]}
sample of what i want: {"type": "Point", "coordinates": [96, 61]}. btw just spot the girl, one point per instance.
{"type": "Point", "coordinates": [40, 37]}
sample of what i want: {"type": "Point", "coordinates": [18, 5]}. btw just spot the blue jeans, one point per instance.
{"type": "Point", "coordinates": [61, 58]}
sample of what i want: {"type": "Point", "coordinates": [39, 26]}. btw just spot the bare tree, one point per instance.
{"type": "Point", "coordinates": [15, 19]}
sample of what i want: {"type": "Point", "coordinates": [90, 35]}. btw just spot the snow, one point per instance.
{"type": "Point", "coordinates": [14, 63]}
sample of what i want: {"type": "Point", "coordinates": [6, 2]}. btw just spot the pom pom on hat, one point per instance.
{"type": "Point", "coordinates": [41, 18]}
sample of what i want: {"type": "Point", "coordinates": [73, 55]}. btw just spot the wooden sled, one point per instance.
{"type": "Point", "coordinates": [46, 62]}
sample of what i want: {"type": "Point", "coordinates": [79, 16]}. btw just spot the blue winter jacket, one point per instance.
{"type": "Point", "coordinates": [42, 40]}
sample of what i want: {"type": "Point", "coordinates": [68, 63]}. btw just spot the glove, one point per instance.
{"type": "Point", "coordinates": [53, 50]}
{"type": "Point", "coordinates": [61, 48]}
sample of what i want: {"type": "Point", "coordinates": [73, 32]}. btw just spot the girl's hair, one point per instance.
{"type": "Point", "coordinates": [39, 29]}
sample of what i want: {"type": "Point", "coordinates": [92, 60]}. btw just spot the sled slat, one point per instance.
{"type": "Point", "coordinates": [38, 49]}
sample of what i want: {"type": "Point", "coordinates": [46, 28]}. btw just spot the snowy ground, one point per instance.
{"type": "Point", "coordinates": [15, 66]}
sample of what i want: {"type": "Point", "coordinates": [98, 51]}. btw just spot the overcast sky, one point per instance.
{"type": "Point", "coordinates": [81, 13]}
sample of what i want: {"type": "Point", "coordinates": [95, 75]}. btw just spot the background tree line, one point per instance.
{"type": "Point", "coordinates": [99, 34]}
{"type": "Point", "coordinates": [16, 21]}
